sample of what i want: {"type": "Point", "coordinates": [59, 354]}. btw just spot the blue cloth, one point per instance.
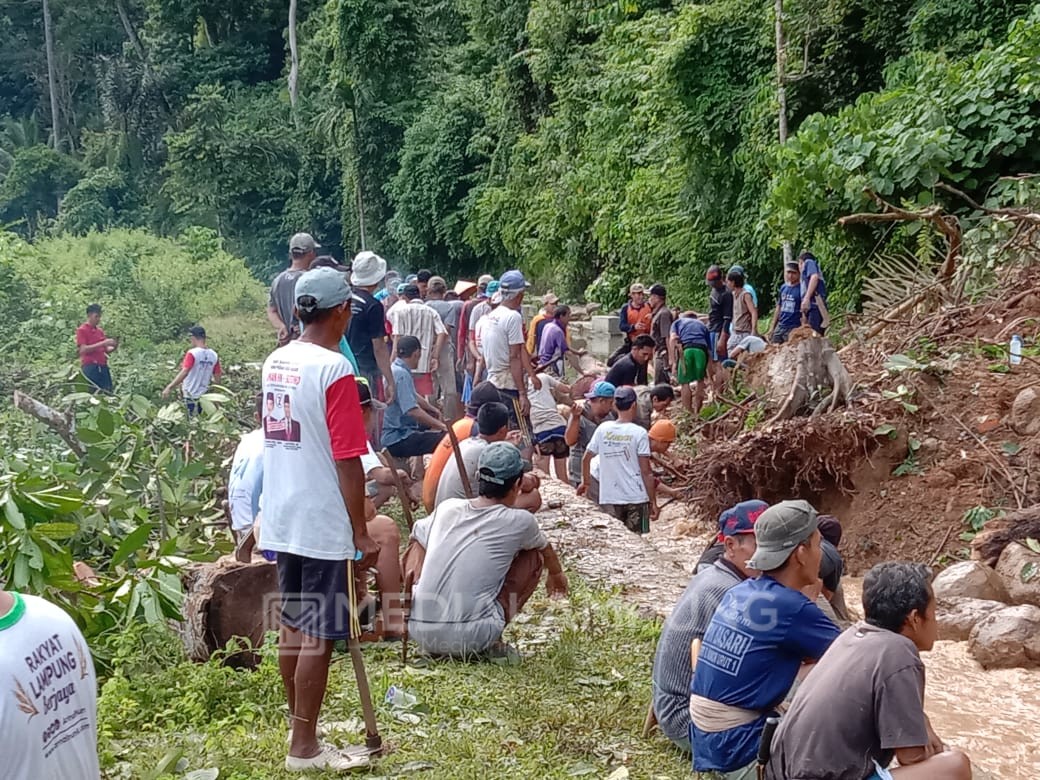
{"type": "Point", "coordinates": [809, 268]}
{"type": "Point", "coordinates": [790, 307]}
{"type": "Point", "coordinates": [398, 425]}
{"type": "Point", "coordinates": [348, 353]}
{"type": "Point", "coordinates": [752, 292]}
{"type": "Point", "coordinates": [750, 655]}
{"type": "Point", "coordinates": [552, 433]}
{"type": "Point", "coordinates": [691, 332]}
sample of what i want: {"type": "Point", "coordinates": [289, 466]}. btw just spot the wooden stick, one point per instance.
{"type": "Point", "coordinates": [942, 544]}
{"type": "Point", "coordinates": [402, 493]}
{"type": "Point", "coordinates": [463, 474]}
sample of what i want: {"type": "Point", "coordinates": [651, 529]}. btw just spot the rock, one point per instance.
{"type": "Point", "coordinates": [987, 424]}
{"type": "Point", "coordinates": [1016, 563]}
{"type": "Point", "coordinates": [1007, 638]}
{"type": "Point", "coordinates": [1025, 412]}
{"type": "Point", "coordinates": [970, 580]}
{"type": "Point", "coordinates": [957, 616]}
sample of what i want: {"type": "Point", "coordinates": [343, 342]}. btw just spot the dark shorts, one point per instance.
{"type": "Point", "coordinates": [636, 517]}
{"type": "Point", "coordinates": [193, 406]}
{"type": "Point", "coordinates": [511, 398]}
{"type": "Point", "coordinates": [314, 596]}
{"type": "Point", "coordinates": [551, 444]}
{"type": "Point", "coordinates": [419, 443]}
{"type": "Point", "coordinates": [99, 376]}
{"type": "Point", "coordinates": [780, 335]}
{"type": "Point", "coordinates": [815, 319]}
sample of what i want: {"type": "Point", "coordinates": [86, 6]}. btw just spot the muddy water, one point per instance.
{"type": "Point", "coordinates": [993, 715]}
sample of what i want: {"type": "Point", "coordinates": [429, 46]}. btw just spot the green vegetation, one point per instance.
{"type": "Point", "coordinates": [573, 708]}
{"type": "Point", "coordinates": [590, 142]}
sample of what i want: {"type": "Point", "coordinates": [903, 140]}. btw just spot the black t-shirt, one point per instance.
{"type": "Point", "coordinates": [367, 322]}
{"type": "Point", "coordinates": [721, 313]}
{"type": "Point", "coordinates": [626, 371]}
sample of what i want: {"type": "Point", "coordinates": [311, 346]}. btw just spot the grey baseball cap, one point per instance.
{"type": "Point", "coordinates": [500, 462]}
{"type": "Point", "coordinates": [303, 243]}
{"type": "Point", "coordinates": [779, 530]}
{"type": "Point", "coordinates": [327, 286]}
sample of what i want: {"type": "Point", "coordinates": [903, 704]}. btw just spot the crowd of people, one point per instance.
{"type": "Point", "coordinates": [383, 385]}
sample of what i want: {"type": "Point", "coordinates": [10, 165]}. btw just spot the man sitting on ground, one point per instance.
{"type": "Point", "coordinates": [673, 667]}
{"type": "Point", "coordinates": [626, 482]}
{"type": "Point", "coordinates": [631, 369]}
{"type": "Point", "coordinates": [757, 641]}
{"type": "Point", "coordinates": [475, 563]}
{"type": "Point", "coordinates": [547, 424]}
{"type": "Point", "coordinates": [492, 426]}
{"type": "Point", "coordinates": [863, 705]}
{"type": "Point", "coordinates": [410, 424]}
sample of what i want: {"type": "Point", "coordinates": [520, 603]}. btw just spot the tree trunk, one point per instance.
{"type": "Point", "coordinates": [294, 68]}
{"type": "Point", "coordinates": [781, 91]}
{"type": "Point", "coordinates": [52, 79]}
{"type": "Point", "coordinates": [800, 371]}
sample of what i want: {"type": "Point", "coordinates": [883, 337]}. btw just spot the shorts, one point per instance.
{"type": "Point", "coordinates": [694, 365]}
{"type": "Point", "coordinates": [99, 376]}
{"type": "Point", "coordinates": [636, 517]}
{"type": "Point", "coordinates": [314, 596]}
{"type": "Point", "coordinates": [738, 341]}
{"type": "Point", "coordinates": [780, 335]}
{"type": "Point", "coordinates": [418, 443]}
{"type": "Point", "coordinates": [815, 320]}
{"type": "Point", "coordinates": [423, 383]}
{"type": "Point", "coordinates": [551, 444]}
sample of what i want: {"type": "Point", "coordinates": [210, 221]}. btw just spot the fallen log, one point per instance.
{"type": "Point", "coordinates": [61, 424]}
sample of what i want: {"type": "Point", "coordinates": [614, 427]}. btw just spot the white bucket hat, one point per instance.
{"type": "Point", "coordinates": [367, 269]}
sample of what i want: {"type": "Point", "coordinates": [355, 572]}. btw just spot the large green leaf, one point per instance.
{"type": "Point", "coordinates": [134, 542]}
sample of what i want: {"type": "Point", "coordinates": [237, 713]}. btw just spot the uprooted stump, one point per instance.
{"type": "Point", "coordinates": [227, 600]}
{"type": "Point", "coordinates": [1002, 531]}
{"type": "Point", "coordinates": [797, 373]}
{"type": "Point", "coordinates": [806, 457]}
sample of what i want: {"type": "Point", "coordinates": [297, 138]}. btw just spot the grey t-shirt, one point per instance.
{"type": "Point", "coordinates": [450, 483]}
{"type": "Point", "coordinates": [283, 297]}
{"type": "Point", "coordinates": [469, 550]}
{"type": "Point", "coordinates": [864, 699]}
{"type": "Point", "coordinates": [586, 427]}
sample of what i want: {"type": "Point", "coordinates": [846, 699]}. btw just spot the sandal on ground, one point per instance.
{"type": "Point", "coordinates": [328, 760]}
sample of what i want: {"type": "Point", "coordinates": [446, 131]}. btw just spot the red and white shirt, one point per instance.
{"type": "Point", "coordinates": [202, 364]}
{"type": "Point", "coordinates": [312, 418]}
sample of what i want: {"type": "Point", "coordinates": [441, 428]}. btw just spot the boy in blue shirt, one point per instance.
{"type": "Point", "coordinates": [788, 314]}
{"type": "Point", "coordinates": [757, 641]}
{"type": "Point", "coordinates": [814, 292]}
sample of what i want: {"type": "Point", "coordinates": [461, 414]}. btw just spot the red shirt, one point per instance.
{"type": "Point", "coordinates": [87, 334]}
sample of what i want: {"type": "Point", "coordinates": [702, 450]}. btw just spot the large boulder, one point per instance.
{"type": "Point", "coordinates": [1025, 412]}
{"type": "Point", "coordinates": [969, 580]}
{"type": "Point", "coordinates": [1007, 638]}
{"type": "Point", "coordinates": [957, 616]}
{"type": "Point", "coordinates": [1019, 570]}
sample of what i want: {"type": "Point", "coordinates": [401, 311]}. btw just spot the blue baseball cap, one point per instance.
{"type": "Point", "coordinates": [741, 518]}
{"type": "Point", "coordinates": [492, 287]}
{"type": "Point", "coordinates": [624, 397]}
{"type": "Point", "coordinates": [322, 288]}
{"type": "Point", "coordinates": [601, 390]}
{"type": "Point", "coordinates": [512, 282]}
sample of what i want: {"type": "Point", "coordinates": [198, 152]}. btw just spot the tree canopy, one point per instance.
{"type": "Point", "coordinates": [590, 142]}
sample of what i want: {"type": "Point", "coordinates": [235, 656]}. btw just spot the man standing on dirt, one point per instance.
{"type": "Point", "coordinates": [879, 715]}
{"type": "Point", "coordinates": [720, 313]}
{"type": "Point", "coordinates": [626, 481]}
{"type": "Point", "coordinates": [814, 293]}
{"type": "Point", "coordinates": [476, 562]}
{"type": "Point", "coordinates": [94, 348]}
{"type": "Point", "coordinates": [314, 508]}
{"type": "Point", "coordinates": [689, 344]}
{"type": "Point", "coordinates": [660, 327]}
{"type": "Point", "coordinates": [673, 667]}
{"type": "Point", "coordinates": [503, 348]}
{"type": "Point", "coordinates": [757, 641]}
{"type": "Point", "coordinates": [302, 251]}
{"type": "Point", "coordinates": [411, 317]}
{"type": "Point", "coordinates": [634, 321]}
{"type": "Point", "coordinates": [788, 314]}
{"type": "Point", "coordinates": [367, 332]}
{"type": "Point", "coordinates": [445, 378]}
{"type": "Point", "coordinates": [586, 416]}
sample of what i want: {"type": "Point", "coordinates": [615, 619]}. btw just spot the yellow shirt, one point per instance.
{"type": "Point", "coordinates": [532, 330]}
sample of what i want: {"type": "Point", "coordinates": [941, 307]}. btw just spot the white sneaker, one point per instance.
{"type": "Point", "coordinates": [328, 759]}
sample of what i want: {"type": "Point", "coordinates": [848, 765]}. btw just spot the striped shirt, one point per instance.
{"type": "Point", "coordinates": [415, 318]}
{"type": "Point", "coordinates": [688, 621]}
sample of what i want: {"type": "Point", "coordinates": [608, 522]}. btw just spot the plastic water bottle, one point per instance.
{"type": "Point", "coordinates": [1016, 350]}
{"type": "Point", "coordinates": [400, 698]}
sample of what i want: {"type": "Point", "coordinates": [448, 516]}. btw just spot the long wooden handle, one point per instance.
{"type": "Point", "coordinates": [402, 493]}
{"type": "Point", "coordinates": [463, 474]}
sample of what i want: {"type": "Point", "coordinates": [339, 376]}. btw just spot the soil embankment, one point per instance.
{"type": "Point", "coordinates": [993, 715]}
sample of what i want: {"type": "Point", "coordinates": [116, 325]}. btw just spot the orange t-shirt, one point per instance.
{"type": "Point", "coordinates": [439, 459]}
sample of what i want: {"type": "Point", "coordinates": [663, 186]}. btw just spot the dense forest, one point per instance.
{"type": "Point", "coordinates": [589, 141]}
